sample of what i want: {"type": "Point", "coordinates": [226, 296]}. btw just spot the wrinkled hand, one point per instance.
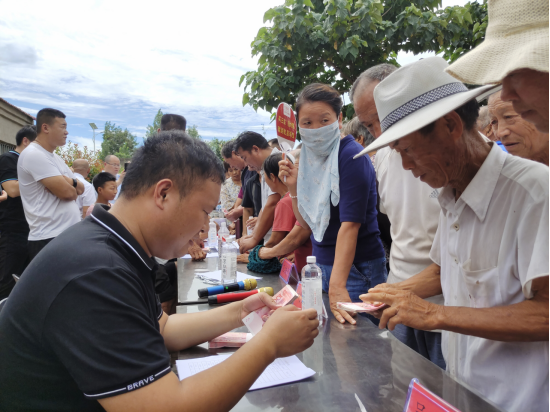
{"type": "Point", "coordinates": [242, 258]}
{"type": "Point", "coordinates": [291, 258]}
{"type": "Point", "coordinates": [340, 295]}
{"type": "Point", "coordinates": [251, 223]}
{"type": "Point", "coordinates": [247, 243]}
{"type": "Point", "coordinates": [405, 308]}
{"type": "Point", "coordinates": [234, 214]}
{"type": "Point", "coordinates": [288, 169]}
{"type": "Point", "coordinates": [196, 251]}
{"type": "Point", "coordinates": [290, 330]}
{"type": "Point", "coordinates": [265, 253]}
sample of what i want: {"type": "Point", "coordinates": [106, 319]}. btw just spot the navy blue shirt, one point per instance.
{"type": "Point", "coordinates": [357, 204]}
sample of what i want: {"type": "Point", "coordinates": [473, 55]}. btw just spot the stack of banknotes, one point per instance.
{"type": "Point", "coordinates": [230, 340]}
{"type": "Point", "coordinates": [255, 320]}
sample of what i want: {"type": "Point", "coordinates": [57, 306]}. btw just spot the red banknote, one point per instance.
{"type": "Point", "coordinates": [361, 306]}
{"type": "Point", "coordinates": [230, 340]}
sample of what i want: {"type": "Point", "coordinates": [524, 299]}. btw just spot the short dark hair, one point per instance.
{"type": "Point", "coordinates": [226, 166]}
{"type": "Point", "coordinates": [246, 140]}
{"type": "Point", "coordinates": [271, 165]}
{"type": "Point", "coordinates": [101, 178]}
{"type": "Point", "coordinates": [173, 122]}
{"type": "Point", "coordinates": [274, 143]}
{"type": "Point", "coordinates": [227, 149]}
{"type": "Point", "coordinates": [46, 116]}
{"type": "Point", "coordinates": [171, 155]}
{"type": "Point", "coordinates": [468, 113]}
{"type": "Point", "coordinates": [26, 131]}
{"type": "Point", "coordinates": [319, 92]}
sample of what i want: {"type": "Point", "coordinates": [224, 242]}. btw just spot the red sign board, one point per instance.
{"type": "Point", "coordinates": [286, 127]}
{"type": "Point", "coordinates": [420, 399]}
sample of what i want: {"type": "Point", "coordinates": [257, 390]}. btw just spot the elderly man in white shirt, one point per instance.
{"type": "Point", "coordinates": [490, 252]}
{"type": "Point", "coordinates": [413, 227]}
{"type": "Point", "coordinates": [81, 169]}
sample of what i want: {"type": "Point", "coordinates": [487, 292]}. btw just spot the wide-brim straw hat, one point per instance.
{"type": "Point", "coordinates": [416, 95]}
{"type": "Point", "coordinates": [516, 38]}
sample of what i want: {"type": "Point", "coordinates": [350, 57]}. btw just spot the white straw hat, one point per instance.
{"type": "Point", "coordinates": [416, 95]}
{"type": "Point", "coordinates": [516, 38]}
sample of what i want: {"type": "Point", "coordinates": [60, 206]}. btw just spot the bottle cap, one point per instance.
{"type": "Point", "coordinates": [311, 259]}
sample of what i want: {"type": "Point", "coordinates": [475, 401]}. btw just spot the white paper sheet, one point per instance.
{"type": "Point", "coordinates": [217, 275]}
{"type": "Point", "coordinates": [281, 371]}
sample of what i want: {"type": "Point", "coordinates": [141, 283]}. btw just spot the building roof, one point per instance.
{"type": "Point", "coordinates": [15, 107]}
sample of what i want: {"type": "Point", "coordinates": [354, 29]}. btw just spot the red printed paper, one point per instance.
{"type": "Point", "coordinates": [420, 399]}
{"type": "Point", "coordinates": [286, 127]}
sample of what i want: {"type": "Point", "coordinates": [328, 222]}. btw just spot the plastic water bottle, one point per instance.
{"type": "Point", "coordinates": [250, 230]}
{"type": "Point", "coordinates": [222, 233]}
{"type": "Point", "coordinates": [229, 262]}
{"type": "Point", "coordinates": [212, 235]}
{"type": "Point", "coordinates": [312, 287]}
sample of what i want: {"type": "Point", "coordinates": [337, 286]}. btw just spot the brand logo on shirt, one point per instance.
{"type": "Point", "coordinates": [141, 383]}
{"type": "Point", "coordinates": [434, 194]}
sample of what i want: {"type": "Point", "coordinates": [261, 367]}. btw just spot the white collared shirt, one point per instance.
{"type": "Point", "coordinates": [491, 243]}
{"type": "Point", "coordinates": [88, 197]}
{"type": "Point", "coordinates": [413, 210]}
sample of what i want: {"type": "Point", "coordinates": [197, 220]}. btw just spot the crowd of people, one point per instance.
{"type": "Point", "coordinates": [423, 202]}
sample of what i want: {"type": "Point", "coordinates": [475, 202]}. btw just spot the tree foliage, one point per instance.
{"type": "Point", "coordinates": [193, 132]}
{"type": "Point", "coordinates": [71, 151]}
{"type": "Point", "coordinates": [216, 146]}
{"type": "Point", "coordinates": [333, 41]}
{"type": "Point", "coordinates": [118, 142]}
{"type": "Point", "coordinates": [152, 129]}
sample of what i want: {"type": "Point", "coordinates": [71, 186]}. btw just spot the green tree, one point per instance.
{"type": "Point", "coordinates": [119, 142]}
{"type": "Point", "coordinates": [216, 146]}
{"type": "Point", "coordinates": [193, 132]}
{"type": "Point", "coordinates": [151, 130]}
{"type": "Point", "coordinates": [333, 41]}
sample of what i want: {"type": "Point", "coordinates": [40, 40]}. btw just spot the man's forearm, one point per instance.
{"type": "Point", "coordinates": [425, 284]}
{"type": "Point", "coordinates": [265, 219]}
{"type": "Point", "coordinates": [522, 322]}
{"type": "Point", "coordinates": [206, 326]}
{"type": "Point", "coordinates": [247, 212]}
{"type": "Point", "coordinates": [346, 242]}
{"type": "Point", "coordinates": [296, 238]}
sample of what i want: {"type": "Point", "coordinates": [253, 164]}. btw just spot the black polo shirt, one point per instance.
{"type": "Point", "coordinates": [253, 194]}
{"type": "Point", "coordinates": [12, 215]}
{"type": "Point", "coordinates": [82, 324]}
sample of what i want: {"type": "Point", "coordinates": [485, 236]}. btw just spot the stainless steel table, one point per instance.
{"type": "Point", "coordinates": [349, 359]}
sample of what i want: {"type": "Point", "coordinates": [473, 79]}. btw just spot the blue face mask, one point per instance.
{"type": "Point", "coordinates": [318, 176]}
{"type": "Point", "coordinates": [321, 141]}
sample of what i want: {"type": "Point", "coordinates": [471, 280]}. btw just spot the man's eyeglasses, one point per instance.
{"type": "Point", "coordinates": [113, 164]}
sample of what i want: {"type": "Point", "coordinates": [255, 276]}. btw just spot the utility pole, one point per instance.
{"type": "Point", "coordinates": [94, 128]}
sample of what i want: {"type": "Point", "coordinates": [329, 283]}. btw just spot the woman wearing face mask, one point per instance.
{"type": "Point", "coordinates": [335, 196]}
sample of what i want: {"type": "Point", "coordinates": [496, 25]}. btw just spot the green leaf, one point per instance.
{"type": "Point", "coordinates": [308, 3]}
{"type": "Point", "coordinates": [242, 79]}
{"type": "Point", "coordinates": [246, 98]}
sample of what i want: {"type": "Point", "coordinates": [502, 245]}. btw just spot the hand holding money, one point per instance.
{"type": "Point", "coordinates": [290, 330]}
{"type": "Point", "coordinates": [259, 301]}
{"type": "Point", "coordinates": [230, 340]}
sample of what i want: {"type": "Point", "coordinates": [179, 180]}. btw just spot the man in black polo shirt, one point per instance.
{"type": "Point", "coordinates": [14, 229]}
{"type": "Point", "coordinates": [95, 336]}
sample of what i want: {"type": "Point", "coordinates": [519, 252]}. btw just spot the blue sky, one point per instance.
{"type": "Point", "coordinates": [121, 61]}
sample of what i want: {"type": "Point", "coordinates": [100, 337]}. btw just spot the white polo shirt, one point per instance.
{"type": "Point", "coordinates": [88, 197]}
{"type": "Point", "coordinates": [413, 210]}
{"type": "Point", "coordinates": [491, 243]}
{"type": "Point", "coordinates": [46, 214]}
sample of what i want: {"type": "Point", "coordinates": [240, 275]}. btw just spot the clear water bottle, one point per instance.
{"type": "Point", "coordinates": [249, 230]}
{"type": "Point", "coordinates": [212, 235]}
{"type": "Point", "coordinates": [222, 233]}
{"type": "Point", "coordinates": [229, 262]}
{"type": "Point", "coordinates": [312, 287]}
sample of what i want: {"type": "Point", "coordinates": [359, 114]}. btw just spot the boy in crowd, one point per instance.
{"type": "Point", "coordinates": [106, 188]}
{"type": "Point", "coordinates": [95, 336]}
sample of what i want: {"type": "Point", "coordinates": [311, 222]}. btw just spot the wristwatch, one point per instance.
{"type": "Point", "coordinates": [74, 182]}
